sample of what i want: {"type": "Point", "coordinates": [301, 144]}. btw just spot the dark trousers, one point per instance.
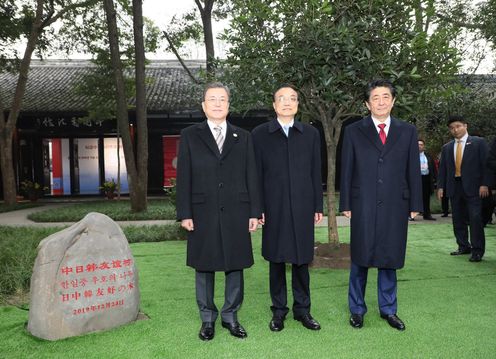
{"type": "Point", "coordinates": [467, 211]}
{"type": "Point", "coordinates": [300, 282]}
{"type": "Point", "coordinates": [386, 290]}
{"type": "Point", "coordinates": [233, 296]}
{"type": "Point", "coordinates": [426, 195]}
{"type": "Point", "coordinates": [445, 205]}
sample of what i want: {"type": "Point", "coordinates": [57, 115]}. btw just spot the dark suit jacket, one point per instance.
{"type": "Point", "coordinates": [474, 171]}
{"type": "Point", "coordinates": [432, 172]}
{"type": "Point", "coordinates": [380, 185]}
{"type": "Point", "coordinates": [291, 187]}
{"type": "Point", "coordinates": [220, 193]}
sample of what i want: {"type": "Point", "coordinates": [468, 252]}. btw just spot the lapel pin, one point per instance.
{"type": "Point", "coordinates": [235, 134]}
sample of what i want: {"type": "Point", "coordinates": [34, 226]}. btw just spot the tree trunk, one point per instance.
{"type": "Point", "coordinates": [206, 16]}
{"type": "Point", "coordinates": [122, 115]}
{"type": "Point", "coordinates": [139, 202]}
{"type": "Point", "coordinates": [7, 128]}
{"type": "Point", "coordinates": [331, 145]}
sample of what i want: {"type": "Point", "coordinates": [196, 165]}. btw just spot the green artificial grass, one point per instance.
{"type": "Point", "coordinates": [158, 209]}
{"type": "Point", "coordinates": [447, 304]}
{"type": "Point", "coordinates": [18, 251]}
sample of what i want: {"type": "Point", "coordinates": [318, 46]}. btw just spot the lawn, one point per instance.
{"type": "Point", "coordinates": [447, 304]}
{"type": "Point", "coordinates": [158, 209]}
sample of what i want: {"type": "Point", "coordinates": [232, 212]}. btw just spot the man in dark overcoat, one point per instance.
{"type": "Point", "coordinates": [465, 179]}
{"type": "Point", "coordinates": [428, 172]}
{"type": "Point", "coordinates": [218, 203]}
{"type": "Point", "coordinates": [288, 162]}
{"type": "Point", "coordinates": [380, 188]}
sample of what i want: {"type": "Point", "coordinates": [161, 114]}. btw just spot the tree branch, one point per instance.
{"type": "Point", "coordinates": [181, 61]}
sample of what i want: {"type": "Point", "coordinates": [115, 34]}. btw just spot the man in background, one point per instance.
{"type": "Point", "coordinates": [428, 172]}
{"type": "Point", "coordinates": [464, 178]}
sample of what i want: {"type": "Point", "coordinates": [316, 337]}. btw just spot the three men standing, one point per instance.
{"type": "Point", "coordinates": [465, 179]}
{"type": "Point", "coordinates": [380, 188]}
{"type": "Point", "coordinates": [289, 170]}
{"type": "Point", "coordinates": [218, 203]}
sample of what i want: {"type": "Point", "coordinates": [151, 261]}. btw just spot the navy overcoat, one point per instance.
{"type": "Point", "coordinates": [380, 185]}
{"type": "Point", "coordinates": [220, 193]}
{"type": "Point", "coordinates": [289, 170]}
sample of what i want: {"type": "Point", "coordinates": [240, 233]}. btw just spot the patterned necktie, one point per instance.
{"type": "Point", "coordinates": [458, 159]}
{"type": "Point", "coordinates": [382, 133]}
{"type": "Point", "coordinates": [219, 139]}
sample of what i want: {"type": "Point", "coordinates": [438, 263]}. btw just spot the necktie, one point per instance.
{"type": "Point", "coordinates": [382, 133]}
{"type": "Point", "coordinates": [286, 130]}
{"type": "Point", "coordinates": [219, 139]}
{"type": "Point", "coordinates": [458, 159]}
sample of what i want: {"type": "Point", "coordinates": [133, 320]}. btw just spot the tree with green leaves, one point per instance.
{"type": "Point", "coordinates": [33, 23]}
{"type": "Point", "coordinates": [196, 25]}
{"type": "Point", "coordinates": [330, 51]}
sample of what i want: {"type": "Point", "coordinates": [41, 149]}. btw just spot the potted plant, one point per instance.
{"type": "Point", "coordinates": [109, 187]}
{"type": "Point", "coordinates": [32, 190]}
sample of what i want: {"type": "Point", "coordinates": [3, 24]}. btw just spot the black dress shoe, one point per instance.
{"type": "Point", "coordinates": [235, 329]}
{"type": "Point", "coordinates": [356, 321]}
{"type": "Point", "coordinates": [394, 321]}
{"type": "Point", "coordinates": [475, 258]}
{"type": "Point", "coordinates": [429, 219]}
{"type": "Point", "coordinates": [445, 215]}
{"type": "Point", "coordinates": [460, 252]}
{"type": "Point", "coordinates": [207, 331]}
{"type": "Point", "coordinates": [308, 322]}
{"type": "Point", "coordinates": [276, 324]}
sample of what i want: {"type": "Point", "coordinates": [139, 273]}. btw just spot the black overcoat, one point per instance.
{"type": "Point", "coordinates": [380, 185]}
{"type": "Point", "coordinates": [289, 170]}
{"type": "Point", "coordinates": [220, 193]}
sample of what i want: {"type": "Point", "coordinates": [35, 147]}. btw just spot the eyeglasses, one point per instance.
{"type": "Point", "coordinates": [292, 99]}
{"type": "Point", "coordinates": [213, 100]}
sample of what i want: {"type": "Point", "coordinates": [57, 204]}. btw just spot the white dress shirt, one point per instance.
{"type": "Point", "coordinates": [223, 126]}
{"type": "Point", "coordinates": [387, 123]}
{"type": "Point", "coordinates": [463, 142]}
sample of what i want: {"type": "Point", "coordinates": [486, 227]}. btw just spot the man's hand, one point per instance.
{"type": "Point", "coordinates": [318, 218]}
{"type": "Point", "coordinates": [252, 224]}
{"type": "Point", "coordinates": [347, 214]}
{"type": "Point", "coordinates": [188, 225]}
{"type": "Point", "coordinates": [483, 191]}
{"type": "Point", "coordinates": [440, 194]}
{"type": "Point", "coordinates": [261, 221]}
{"type": "Point", "coordinates": [413, 214]}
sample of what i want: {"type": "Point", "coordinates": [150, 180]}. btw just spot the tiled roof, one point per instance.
{"type": "Point", "coordinates": [51, 86]}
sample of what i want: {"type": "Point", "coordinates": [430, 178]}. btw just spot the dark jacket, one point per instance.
{"type": "Point", "coordinates": [220, 193]}
{"type": "Point", "coordinates": [432, 172]}
{"type": "Point", "coordinates": [291, 188]}
{"type": "Point", "coordinates": [474, 170]}
{"type": "Point", "coordinates": [380, 185]}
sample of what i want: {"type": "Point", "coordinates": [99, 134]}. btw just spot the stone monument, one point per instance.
{"type": "Point", "coordinates": [84, 280]}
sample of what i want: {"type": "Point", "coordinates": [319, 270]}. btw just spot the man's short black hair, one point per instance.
{"type": "Point", "coordinates": [456, 118]}
{"type": "Point", "coordinates": [379, 83]}
{"type": "Point", "coordinates": [282, 86]}
{"type": "Point", "coordinates": [216, 85]}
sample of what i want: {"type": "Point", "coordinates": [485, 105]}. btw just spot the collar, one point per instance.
{"type": "Point", "coordinates": [212, 124]}
{"type": "Point", "coordinates": [377, 122]}
{"type": "Point", "coordinates": [290, 124]}
{"type": "Point", "coordinates": [274, 126]}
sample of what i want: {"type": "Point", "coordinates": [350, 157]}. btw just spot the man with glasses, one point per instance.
{"type": "Point", "coordinates": [289, 170]}
{"type": "Point", "coordinates": [218, 204]}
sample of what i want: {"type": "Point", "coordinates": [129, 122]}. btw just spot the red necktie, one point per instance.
{"type": "Point", "coordinates": [382, 133]}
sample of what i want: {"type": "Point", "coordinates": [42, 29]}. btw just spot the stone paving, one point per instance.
{"type": "Point", "coordinates": [19, 218]}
